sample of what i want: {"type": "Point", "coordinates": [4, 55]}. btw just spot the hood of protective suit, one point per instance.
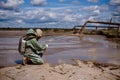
{"type": "Point", "coordinates": [30, 31]}
{"type": "Point", "coordinates": [39, 32]}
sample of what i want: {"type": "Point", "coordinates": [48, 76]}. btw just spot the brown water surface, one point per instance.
{"type": "Point", "coordinates": [64, 48]}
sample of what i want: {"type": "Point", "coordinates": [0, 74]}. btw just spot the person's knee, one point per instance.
{"type": "Point", "coordinates": [36, 59]}
{"type": "Point", "coordinates": [39, 61]}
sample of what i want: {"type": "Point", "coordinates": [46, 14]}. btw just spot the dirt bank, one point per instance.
{"type": "Point", "coordinates": [11, 33]}
{"type": "Point", "coordinates": [80, 70]}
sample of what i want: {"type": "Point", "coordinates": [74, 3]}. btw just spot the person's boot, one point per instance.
{"type": "Point", "coordinates": [25, 60]}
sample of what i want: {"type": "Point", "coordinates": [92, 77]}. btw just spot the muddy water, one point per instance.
{"type": "Point", "coordinates": [64, 48]}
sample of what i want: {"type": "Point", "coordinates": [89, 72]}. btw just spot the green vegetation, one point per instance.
{"type": "Point", "coordinates": [110, 33]}
{"type": "Point", "coordinates": [44, 29]}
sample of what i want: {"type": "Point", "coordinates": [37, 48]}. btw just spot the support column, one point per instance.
{"type": "Point", "coordinates": [96, 28]}
{"type": "Point", "coordinates": [118, 33]}
{"type": "Point", "coordinates": [118, 28]}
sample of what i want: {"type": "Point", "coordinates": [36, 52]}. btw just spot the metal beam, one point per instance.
{"type": "Point", "coordinates": [100, 22]}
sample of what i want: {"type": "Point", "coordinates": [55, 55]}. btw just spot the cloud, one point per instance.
{"type": "Point", "coordinates": [61, 0]}
{"type": "Point", "coordinates": [68, 11]}
{"type": "Point", "coordinates": [90, 8]}
{"type": "Point", "coordinates": [76, 2]}
{"type": "Point", "coordinates": [91, 18]}
{"type": "Point", "coordinates": [38, 2]}
{"type": "Point", "coordinates": [52, 15]}
{"type": "Point", "coordinates": [115, 2]}
{"type": "Point", "coordinates": [4, 16]}
{"type": "Point", "coordinates": [117, 10]}
{"type": "Point", "coordinates": [10, 4]}
{"type": "Point", "coordinates": [116, 14]}
{"type": "Point", "coordinates": [39, 15]}
{"type": "Point", "coordinates": [67, 15]}
{"type": "Point", "coordinates": [69, 18]}
{"type": "Point", "coordinates": [94, 1]}
{"type": "Point", "coordinates": [9, 18]}
{"type": "Point", "coordinates": [104, 8]}
{"type": "Point", "coordinates": [20, 21]}
{"type": "Point", "coordinates": [97, 11]}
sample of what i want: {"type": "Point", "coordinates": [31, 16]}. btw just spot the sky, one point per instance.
{"type": "Point", "coordinates": [56, 13]}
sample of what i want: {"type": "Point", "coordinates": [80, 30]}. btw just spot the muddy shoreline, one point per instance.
{"type": "Point", "coordinates": [80, 70]}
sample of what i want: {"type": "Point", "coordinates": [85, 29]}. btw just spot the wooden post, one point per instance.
{"type": "Point", "coordinates": [118, 34]}
{"type": "Point", "coordinates": [96, 28]}
{"type": "Point", "coordinates": [75, 30]}
{"type": "Point", "coordinates": [83, 27]}
{"type": "Point", "coordinates": [118, 28]}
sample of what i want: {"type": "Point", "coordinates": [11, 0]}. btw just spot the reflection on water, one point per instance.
{"type": "Point", "coordinates": [64, 48]}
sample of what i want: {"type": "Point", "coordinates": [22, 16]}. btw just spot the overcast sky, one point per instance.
{"type": "Point", "coordinates": [56, 13]}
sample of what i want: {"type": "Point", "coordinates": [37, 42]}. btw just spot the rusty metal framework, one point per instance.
{"type": "Point", "coordinates": [99, 22]}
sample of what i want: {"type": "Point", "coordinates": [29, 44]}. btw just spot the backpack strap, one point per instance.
{"type": "Point", "coordinates": [28, 37]}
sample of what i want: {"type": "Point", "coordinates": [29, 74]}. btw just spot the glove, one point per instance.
{"type": "Point", "coordinates": [46, 45]}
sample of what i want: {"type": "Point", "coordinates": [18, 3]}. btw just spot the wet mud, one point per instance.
{"type": "Point", "coordinates": [80, 70]}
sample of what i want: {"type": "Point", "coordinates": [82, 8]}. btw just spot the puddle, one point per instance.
{"type": "Point", "coordinates": [64, 48]}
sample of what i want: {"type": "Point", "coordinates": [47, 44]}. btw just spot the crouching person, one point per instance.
{"type": "Point", "coordinates": [33, 50]}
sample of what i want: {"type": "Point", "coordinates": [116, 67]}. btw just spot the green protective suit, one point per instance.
{"type": "Point", "coordinates": [34, 50]}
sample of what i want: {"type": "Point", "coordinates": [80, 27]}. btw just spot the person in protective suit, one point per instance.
{"type": "Point", "coordinates": [33, 50]}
